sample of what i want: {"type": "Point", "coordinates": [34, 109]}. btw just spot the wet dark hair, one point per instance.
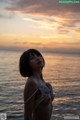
{"type": "Point", "coordinates": [24, 67]}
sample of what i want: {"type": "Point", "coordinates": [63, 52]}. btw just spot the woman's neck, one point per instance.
{"type": "Point", "coordinates": [38, 75]}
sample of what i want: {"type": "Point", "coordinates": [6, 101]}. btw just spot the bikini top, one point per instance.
{"type": "Point", "coordinates": [45, 91]}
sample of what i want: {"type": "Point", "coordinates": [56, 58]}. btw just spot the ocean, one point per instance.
{"type": "Point", "coordinates": [61, 70]}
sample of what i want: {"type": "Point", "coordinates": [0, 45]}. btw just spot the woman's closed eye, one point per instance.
{"type": "Point", "coordinates": [32, 56]}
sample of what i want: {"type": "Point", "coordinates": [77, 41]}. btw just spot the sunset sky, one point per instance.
{"type": "Point", "coordinates": [39, 24]}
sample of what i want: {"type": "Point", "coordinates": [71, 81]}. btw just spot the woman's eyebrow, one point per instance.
{"type": "Point", "coordinates": [31, 55]}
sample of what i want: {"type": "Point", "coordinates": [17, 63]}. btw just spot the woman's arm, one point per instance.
{"type": "Point", "coordinates": [29, 89]}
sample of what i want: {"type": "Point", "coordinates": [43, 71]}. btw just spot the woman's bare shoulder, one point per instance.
{"type": "Point", "coordinates": [31, 84]}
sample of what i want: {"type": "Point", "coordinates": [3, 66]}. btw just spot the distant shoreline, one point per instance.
{"type": "Point", "coordinates": [45, 50]}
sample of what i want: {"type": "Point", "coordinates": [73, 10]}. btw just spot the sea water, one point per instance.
{"type": "Point", "coordinates": [61, 70]}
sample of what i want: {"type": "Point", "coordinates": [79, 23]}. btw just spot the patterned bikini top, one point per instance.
{"type": "Point", "coordinates": [44, 92]}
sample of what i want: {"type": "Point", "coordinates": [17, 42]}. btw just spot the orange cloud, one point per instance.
{"type": "Point", "coordinates": [77, 31]}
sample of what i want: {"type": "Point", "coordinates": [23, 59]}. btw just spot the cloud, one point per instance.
{"type": "Point", "coordinates": [64, 16]}
{"type": "Point", "coordinates": [10, 16]}
{"type": "Point", "coordinates": [27, 43]}
{"type": "Point", "coordinates": [4, 1]}
{"type": "Point", "coordinates": [63, 25]}
{"type": "Point", "coordinates": [48, 7]}
{"type": "Point", "coordinates": [43, 22]}
{"type": "Point", "coordinates": [49, 14]}
{"type": "Point", "coordinates": [4, 14]}
{"type": "Point", "coordinates": [77, 31]}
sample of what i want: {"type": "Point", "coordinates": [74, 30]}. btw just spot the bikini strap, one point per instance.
{"type": "Point", "coordinates": [30, 96]}
{"type": "Point", "coordinates": [39, 101]}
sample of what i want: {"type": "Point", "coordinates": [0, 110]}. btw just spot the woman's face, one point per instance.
{"type": "Point", "coordinates": [36, 61]}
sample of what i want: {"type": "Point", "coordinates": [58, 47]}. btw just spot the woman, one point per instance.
{"type": "Point", "coordinates": [38, 94]}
